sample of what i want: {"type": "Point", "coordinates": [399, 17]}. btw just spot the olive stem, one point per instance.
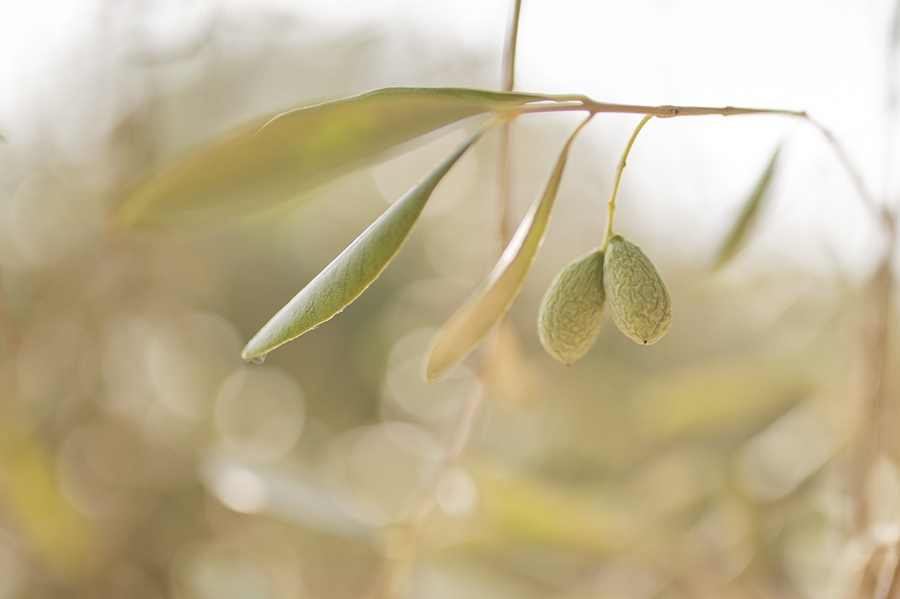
{"type": "Point", "coordinates": [611, 206]}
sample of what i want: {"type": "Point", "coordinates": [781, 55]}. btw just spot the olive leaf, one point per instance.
{"type": "Point", "coordinates": [737, 236]}
{"type": "Point", "coordinates": [356, 267]}
{"type": "Point", "coordinates": [266, 162]}
{"type": "Point", "coordinates": [487, 305]}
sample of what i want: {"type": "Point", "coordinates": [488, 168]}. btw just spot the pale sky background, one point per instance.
{"type": "Point", "coordinates": [829, 57]}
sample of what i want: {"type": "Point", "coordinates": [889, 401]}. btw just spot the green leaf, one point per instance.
{"type": "Point", "coordinates": [748, 216]}
{"type": "Point", "coordinates": [487, 305]}
{"type": "Point", "coordinates": [266, 162]}
{"type": "Point", "coordinates": [356, 267]}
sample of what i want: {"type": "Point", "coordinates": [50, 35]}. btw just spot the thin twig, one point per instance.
{"type": "Point", "coordinates": [400, 559]}
{"type": "Point", "coordinates": [505, 179]}
{"type": "Point", "coordinates": [893, 587]}
{"type": "Point", "coordinates": [870, 437]}
{"type": "Point", "coordinates": [880, 347]}
{"type": "Point", "coordinates": [508, 68]}
{"type": "Point", "coordinates": [574, 103]}
{"type": "Point", "coordinates": [887, 574]}
{"type": "Point", "coordinates": [8, 328]}
{"type": "Point", "coordinates": [891, 83]}
{"type": "Point", "coordinates": [398, 566]}
{"type": "Point", "coordinates": [862, 190]}
{"type": "Point", "coordinates": [508, 76]}
{"type": "Point", "coordinates": [569, 103]}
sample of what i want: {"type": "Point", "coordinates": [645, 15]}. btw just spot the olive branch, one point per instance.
{"type": "Point", "coordinates": [269, 162]}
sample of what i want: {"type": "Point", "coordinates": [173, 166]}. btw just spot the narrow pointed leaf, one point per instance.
{"type": "Point", "coordinates": [269, 161]}
{"type": "Point", "coordinates": [747, 218]}
{"type": "Point", "coordinates": [355, 268]}
{"type": "Point", "coordinates": [487, 305]}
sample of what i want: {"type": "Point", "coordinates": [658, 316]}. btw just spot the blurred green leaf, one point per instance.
{"type": "Point", "coordinates": [487, 305]}
{"type": "Point", "coordinates": [747, 218]}
{"type": "Point", "coordinates": [531, 510]}
{"type": "Point", "coordinates": [30, 493]}
{"type": "Point", "coordinates": [733, 397]}
{"type": "Point", "coordinates": [266, 162]}
{"type": "Point", "coordinates": [356, 267]}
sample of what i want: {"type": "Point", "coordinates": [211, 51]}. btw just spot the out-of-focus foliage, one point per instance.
{"type": "Point", "coordinates": [269, 161]}
{"type": "Point", "coordinates": [748, 215]}
{"type": "Point", "coordinates": [140, 457]}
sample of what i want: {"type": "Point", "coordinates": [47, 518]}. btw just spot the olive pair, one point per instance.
{"type": "Point", "coordinates": [572, 309]}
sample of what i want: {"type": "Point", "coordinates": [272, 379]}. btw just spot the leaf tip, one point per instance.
{"type": "Point", "coordinates": [256, 349]}
{"type": "Point", "coordinates": [433, 368]}
{"type": "Point", "coordinates": [254, 359]}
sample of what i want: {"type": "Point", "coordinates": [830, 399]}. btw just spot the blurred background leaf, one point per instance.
{"type": "Point", "coordinates": [747, 218]}
{"type": "Point", "coordinates": [272, 160]}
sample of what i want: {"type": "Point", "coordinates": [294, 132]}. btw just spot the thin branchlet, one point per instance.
{"type": "Point", "coordinates": [577, 103]}
{"type": "Point", "coordinates": [580, 103]}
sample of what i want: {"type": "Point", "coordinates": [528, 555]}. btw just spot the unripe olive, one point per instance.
{"type": "Point", "coordinates": [572, 309]}
{"type": "Point", "coordinates": [638, 299]}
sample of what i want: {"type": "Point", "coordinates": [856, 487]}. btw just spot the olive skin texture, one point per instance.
{"type": "Point", "coordinates": [639, 302]}
{"type": "Point", "coordinates": [572, 309]}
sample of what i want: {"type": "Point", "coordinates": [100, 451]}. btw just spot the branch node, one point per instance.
{"type": "Point", "coordinates": [668, 111]}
